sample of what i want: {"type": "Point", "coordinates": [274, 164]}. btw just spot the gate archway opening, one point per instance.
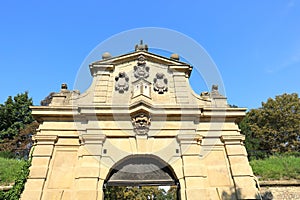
{"type": "Point", "coordinates": [144, 175]}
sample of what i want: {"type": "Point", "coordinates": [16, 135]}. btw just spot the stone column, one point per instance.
{"type": "Point", "coordinates": [244, 180]}
{"type": "Point", "coordinates": [193, 169]}
{"type": "Point", "coordinates": [42, 154]}
{"type": "Point", "coordinates": [87, 174]}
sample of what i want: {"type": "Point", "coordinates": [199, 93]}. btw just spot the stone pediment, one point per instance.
{"type": "Point", "coordinates": [127, 78]}
{"type": "Point", "coordinates": [109, 64]}
{"type": "Point", "coordinates": [118, 60]}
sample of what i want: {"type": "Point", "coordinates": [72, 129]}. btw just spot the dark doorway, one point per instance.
{"type": "Point", "coordinates": [141, 177]}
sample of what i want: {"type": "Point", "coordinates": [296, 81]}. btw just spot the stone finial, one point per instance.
{"type": "Point", "coordinates": [141, 47]}
{"type": "Point", "coordinates": [106, 55]}
{"type": "Point", "coordinates": [218, 100]}
{"type": "Point", "coordinates": [215, 90]}
{"type": "Point", "coordinates": [174, 56]}
{"type": "Point", "coordinates": [64, 86]}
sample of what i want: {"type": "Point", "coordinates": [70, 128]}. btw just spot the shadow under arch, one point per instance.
{"type": "Point", "coordinates": [142, 170]}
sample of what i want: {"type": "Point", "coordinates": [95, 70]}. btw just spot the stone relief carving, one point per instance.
{"type": "Point", "coordinates": [160, 84]}
{"type": "Point", "coordinates": [141, 123]}
{"type": "Point", "coordinates": [122, 82]}
{"type": "Point", "coordinates": [141, 70]}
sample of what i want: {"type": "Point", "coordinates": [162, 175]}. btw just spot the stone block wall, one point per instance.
{"type": "Point", "coordinates": [280, 190]}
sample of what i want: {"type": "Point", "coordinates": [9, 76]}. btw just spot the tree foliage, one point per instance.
{"type": "Point", "coordinates": [15, 114]}
{"type": "Point", "coordinates": [140, 193]}
{"type": "Point", "coordinates": [275, 127]}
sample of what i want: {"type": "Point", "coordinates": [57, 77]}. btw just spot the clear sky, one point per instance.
{"type": "Point", "coordinates": [255, 44]}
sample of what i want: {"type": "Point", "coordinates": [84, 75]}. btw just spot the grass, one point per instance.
{"type": "Point", "coordinates": [277, 168]}
{"type": "Point", "coordinates": [9, 170]}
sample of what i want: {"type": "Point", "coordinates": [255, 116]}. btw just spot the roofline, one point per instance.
{"type": "Point", "coordinates": [125, 57]}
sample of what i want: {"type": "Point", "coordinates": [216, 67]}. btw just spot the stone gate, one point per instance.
{"type": "Point", "coordinates": [139, 123]}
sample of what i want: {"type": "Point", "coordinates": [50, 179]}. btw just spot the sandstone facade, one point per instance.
{"type": "Point", "coordinates": [139, 114]}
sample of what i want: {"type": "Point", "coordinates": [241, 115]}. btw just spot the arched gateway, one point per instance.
{"type": "Point", "coordinates": [139, 124]}
{"type": "Point", "coordinates": [142, 170]}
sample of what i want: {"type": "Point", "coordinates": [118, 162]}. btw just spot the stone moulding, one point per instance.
{"type": "Point", "coordinates": [92, 138]}
{"type": "Point", "coordinates": [45, 139]}
{"type": "Point", "coordinates": [100, 69]}
{"type": "Point", "coordinates": [189, 138]}
{"type": "Point", "coordinates": [232, 139]}
{"type": "Point", "coordinates": [181, 70]}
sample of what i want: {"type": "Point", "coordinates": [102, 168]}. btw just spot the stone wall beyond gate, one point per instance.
{"type": "Point", "coordinates": [139, 104]}
{"type": "Point", "coordinates": [280, 190]}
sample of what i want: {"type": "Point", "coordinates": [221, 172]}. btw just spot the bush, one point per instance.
{"type": "Point", "coordinates": [7, 154]}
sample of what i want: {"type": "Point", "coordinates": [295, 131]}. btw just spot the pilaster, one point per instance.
{"type": "Point", "coordinates": [193, 169]}
{"type": "Point", "coordinates": [42, 154]}
{"type": "Point", "coordinates": [244, 180]}
{"type": "Point", "coordinates": [88, 170]}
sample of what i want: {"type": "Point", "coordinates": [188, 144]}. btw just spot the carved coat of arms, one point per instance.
{"type": "Point", "coordinates": [160, 84]}
{"type": "Point", "coordinates": [141, 70]}
{"type": "Point", "coordinates": [122, 82]}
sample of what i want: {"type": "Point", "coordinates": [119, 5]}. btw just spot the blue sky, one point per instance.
{"type": "Point", "coordinates": [255, 44]}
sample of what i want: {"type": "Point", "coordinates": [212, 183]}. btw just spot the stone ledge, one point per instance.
{"type": "Point", "coordinates": [280, 183]}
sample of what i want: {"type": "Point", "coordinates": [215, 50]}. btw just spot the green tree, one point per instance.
{"type": "Point", "coordinates": [275, 127]}
{"type": "Point", "coordinates": [15, 114]}
{"type": "Point", "coordinates": [139, 193]}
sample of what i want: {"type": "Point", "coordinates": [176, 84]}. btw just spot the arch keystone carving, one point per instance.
{"type": "Point", "coordinates": [141, 123]}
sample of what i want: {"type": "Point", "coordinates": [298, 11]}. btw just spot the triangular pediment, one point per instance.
{"type": "Point", "coordinates": [134, 56]}
{"type": "Point", "coordinates": [111, 62]}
